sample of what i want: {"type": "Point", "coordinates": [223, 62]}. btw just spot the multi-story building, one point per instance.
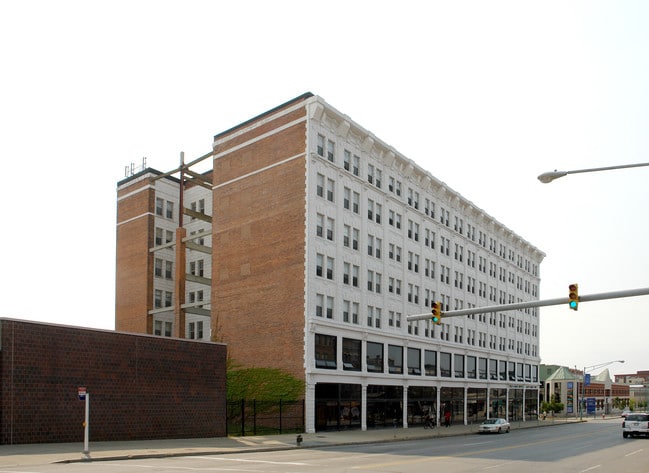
{"type": "Point", "coordinates": [147, 283]}
{"type": "Point", "coordinates": [324, 239]}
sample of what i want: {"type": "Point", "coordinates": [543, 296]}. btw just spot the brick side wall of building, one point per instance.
{"type": "Point", "coordinates": [141, 387]}
{"type": "Point", "coordinates": [259, 246]}
{"type": "Point", "coordinates": [134, 276]}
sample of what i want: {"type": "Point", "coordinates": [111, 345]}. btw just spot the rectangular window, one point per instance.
{"type": "Point", "coordinates": [395, 359]}
{"type": "Point", "coordinates": [482, 368]}
{"type": "Point", "coordinates": [170, 209]}
{"type": "Point", "coordinates": [320, 145]}
{"type": "Point", "coordinates": [159, 206]}
{"type": "Point", "coordinates": [325, 351]}
{"type": "Point", "coordinates": [331, 146]}
{"type": "Point", "coordinates": [445, 364]}
{"type": "Point", "coordinates": [330, 307]}
{"type": "Point", "coordinates": [157, 298]}
{"type": "Point", "coordinates": [430, 363]}
{"type": "Point", "coordinates": [330, 190]}
{"type": "Point", "coordinates": [374, 357]}
{"type": "Point", "coordinates": [414, 361]}
{"type": "Point", "coordinates": [347, 160]}
{"type": "Point", "coordinates": [352, 354]}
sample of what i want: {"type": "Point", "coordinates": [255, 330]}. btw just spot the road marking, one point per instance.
{"type": "Point", "coordinates": [633, 453]}
{"type": "Point", "coordinates": [496, 466]}
{"type": "Point", "coordinates": [476, 452]}
{"type": "Point", "coordinates": [244, 460]}
{"type": "Point", "coordinates": [591, 468]}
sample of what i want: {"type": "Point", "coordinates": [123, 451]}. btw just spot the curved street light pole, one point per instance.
{"type": "Point", "coordinates": [583, 383]}
{"type": "Point", "coordinates": [552, 175]}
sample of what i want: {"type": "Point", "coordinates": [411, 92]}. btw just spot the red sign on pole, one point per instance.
{"type": "Point", "coordinates": [82, 393]}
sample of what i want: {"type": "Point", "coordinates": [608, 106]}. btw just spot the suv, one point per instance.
{"type": "Point", "coordinates": [635, 424]}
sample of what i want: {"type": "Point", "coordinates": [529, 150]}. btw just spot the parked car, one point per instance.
{"type": "Point", "coordinates": [625, 413]}
{"type": "Point", "coordinates": [495, 425]}
{"type": "Point", "coordinates": [635, 424]}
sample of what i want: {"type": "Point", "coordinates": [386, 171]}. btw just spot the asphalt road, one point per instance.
{"type": "Point", "coordinates": [596, 447]}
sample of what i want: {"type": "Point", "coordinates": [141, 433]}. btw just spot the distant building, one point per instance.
{"type": "Point", "coordinates": [323, 239]}
{"type": "Point", "coordinates": [639, 377]}
{"type": "Point", "coordinates": [565, 386]}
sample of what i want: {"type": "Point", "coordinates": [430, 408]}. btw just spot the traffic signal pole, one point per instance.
{"type": "Point", "coordinates": [541, 303]}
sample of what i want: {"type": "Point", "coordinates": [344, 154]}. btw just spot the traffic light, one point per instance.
{"type": "Point", "coordinates": [437, 313]}
{"type": "Point", "coordinates": [573, 296]}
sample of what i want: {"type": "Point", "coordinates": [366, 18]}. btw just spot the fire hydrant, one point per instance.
{"type": "Point", "coordinates": [298, 440]}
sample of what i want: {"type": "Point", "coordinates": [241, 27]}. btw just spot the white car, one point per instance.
{"type": "Point", "coordinates": [635, 424]}
{"type": "Point", "coordinates": [495, 425]}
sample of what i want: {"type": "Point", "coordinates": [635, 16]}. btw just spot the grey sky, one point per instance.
{"type": "Point", "coordinates": [485, 95]}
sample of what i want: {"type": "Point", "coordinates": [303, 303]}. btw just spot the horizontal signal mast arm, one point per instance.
{"type": "Point", "coordinates": [526, 305]}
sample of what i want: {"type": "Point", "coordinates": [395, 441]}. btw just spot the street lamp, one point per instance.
{"type": "Point", "coordinates": [552, 175]}
{"type": "Point", "coordinates": [583, 383]}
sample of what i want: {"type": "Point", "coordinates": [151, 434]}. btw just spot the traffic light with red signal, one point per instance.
{"type": "Point", "coordinates": [437, 313]}
{"type": "Point", "coordinates": [573, 296]}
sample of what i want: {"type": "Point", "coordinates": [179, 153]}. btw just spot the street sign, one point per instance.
{"type": "Point", "coordinates": [590, 405]}
{"type": "Point", "coordinates": [82, 393]}
{"type": "Point", "coordinates": [587, 379]}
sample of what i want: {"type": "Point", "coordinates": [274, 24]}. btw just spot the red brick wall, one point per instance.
{"type": "Point", "coordinates": [258, 247]}
{"type": "Point", "coordinates": [134, 275]}
{"type": "Point", "coordinates": [141, 387]}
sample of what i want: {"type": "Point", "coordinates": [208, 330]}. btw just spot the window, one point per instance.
{"type": "Point", "coordinates": [320, 145]}
{"type": "Point", "coordinates": [330, 307]}
{"type": "Point", "coordinates": [414, 361]}
{"type": "Point", "coordinates": [319, 305]}
{"type": "Point", "coordinates": [319, 265]}
{"type": "Point", "coordinates": [445, 364]}
{"type": "Point", "coordinates": [374, 357]}
{"type": "Point", "coordinates": [330, 190]}
{"type": "Point", "coordinates": [159, 206]}
{"type": "Point", "coordinates": [352, 354]}
{"type": "Point", "coordinates": [395, 359]}
{"type": "Point", "coordinates": [170, 209]}
{"type": "Point", "coordinates": [330, 268]}
{"type": "Point", "coordinates": [320, 180]}
{"type": "Point", "coordinates": [347, 160]}
{"type": "Point", "coordinates": [430, 363]}
{"type": "Point", "coordinates": [319, 227]}
{"type": "Point", "coordinates": [331, 146]}
{"type": "Point", "coordinates": [325, 351]}
{"type": "Point", "coordinates": [482, 368]}
{"type": "Point", "coordinates": [458, 365]}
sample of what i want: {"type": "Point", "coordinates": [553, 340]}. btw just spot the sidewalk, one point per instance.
{"type": "Point", "coordinates": [38, 454]}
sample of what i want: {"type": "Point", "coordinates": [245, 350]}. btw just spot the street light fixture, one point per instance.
{"type": "Point", "coordinates": [552, 175]}
{"type": "Point", "coordinates": [583, 383]}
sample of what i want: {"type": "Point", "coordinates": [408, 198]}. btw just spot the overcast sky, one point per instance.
{"type": "Point", "coordinates": [486, 95]}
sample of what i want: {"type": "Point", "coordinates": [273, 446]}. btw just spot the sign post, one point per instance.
{"type": "Point", "coordinates": [85, 396]}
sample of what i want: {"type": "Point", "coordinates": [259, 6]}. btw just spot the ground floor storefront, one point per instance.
{"type": "Point", "coordinates": [366, 405]}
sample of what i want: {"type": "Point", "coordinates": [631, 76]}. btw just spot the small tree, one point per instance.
{"type": "Point", "coordinates": [553, 406]}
